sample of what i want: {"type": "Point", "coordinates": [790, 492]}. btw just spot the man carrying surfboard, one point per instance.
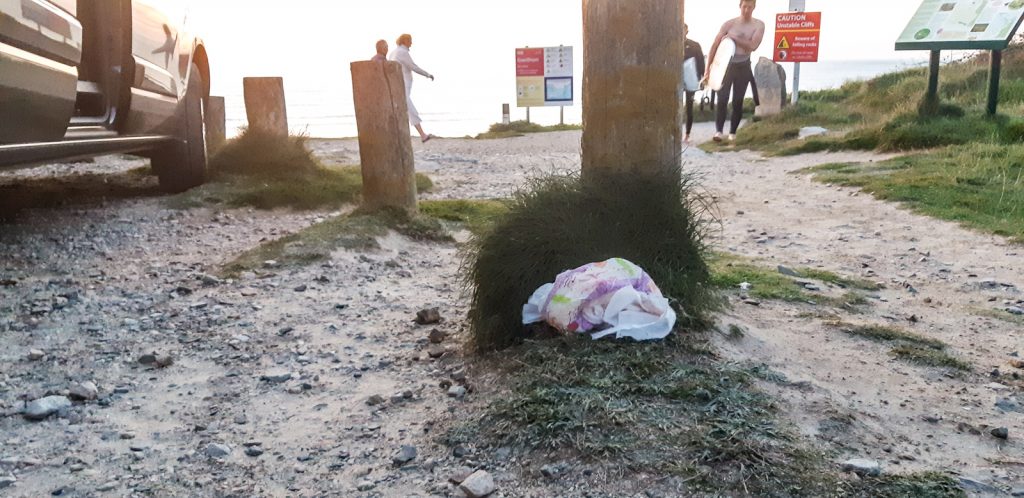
{"type": "Point", "coordinates": [730, 71]}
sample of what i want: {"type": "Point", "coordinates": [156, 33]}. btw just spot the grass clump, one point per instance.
{"type": "Point", "coordinates": [729, 271]}
{"type": "Point", "coordinates": [520, 128]}
{"type": "Point", "coordinates": [919, 485]}
{"type": "Point", "coordinates": [563, 222]}
{"type": "Point", "coordinates": [669, 408]}
{"type": "Point", "coordinates": [355, 231]}
{"type": "Point", "coordinates": [979, 185]}
{"type": "Point", "coordinates": [476, 215]}
{"type": "Point", "coordinates": [266, 171]}
{"type": "Point", "coordinates": [907, 346]}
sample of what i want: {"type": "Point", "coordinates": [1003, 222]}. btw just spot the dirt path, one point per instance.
{"type": "Point", "coordinates": [289, 358]}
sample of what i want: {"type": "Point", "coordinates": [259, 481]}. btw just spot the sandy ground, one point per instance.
{"type": "Point", "coordinates": [290, 358]}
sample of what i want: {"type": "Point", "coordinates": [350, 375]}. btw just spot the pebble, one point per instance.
{"type": "Point", "coordinates": [437, 336]}
{"type": "Point", "coordinates": [478, 485]}
{"type": "Point", "coordinates": [1016, 492]}
{"type": "Point", "coordinates": [365, 486]}
{"type": "Point", "coordinates": [108, 486]}
{"type": "Point", "coordinates": [862, 467]}
{"type": "Point", "coordinates": [428, 316]}
{"type": "Point", "coordinates": [86, 391]}
{"type": "Point", "coordinates": [215, 450]}
{"type": "Point", "coordinates": [1015, 310]}
{"type": "Point", "coordinates": [36, 354]}
{"type": "Point", "coordinates": [375, 400]}
{"type": "Point", "coordinates": [254, 451]}
{"type": "Point", "coordinates": [457, 392]}
{"type": "Point", "coordinates": [276, 377]}
{"type": "Point", "coordinates": [7, 481]}
{"type": "Point", "coordinates": [1000, 433]}
{"type": "Point", "coordinates": [42, 408]}
{"type": "Point", "coordinates": [788, 271]}
{"type": "Point", "coordinates": [459, 475]}
{"type": "Point", "coordinates": [405, 455]}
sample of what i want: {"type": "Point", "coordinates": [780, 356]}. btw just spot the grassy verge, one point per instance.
{"type": "Point", "coordinates": [355, 231]}
{"type": "Point", "coordinates": [907, 346]}
{"type": "Point", "coordinates": [267, 172]}
{"type": "Point", "coordinates": [520, 128]}
{"type": "Point", "coordinates": [475, 215]}
{"type": "Point", "coordinates": [980, 185]}
{"type": "Point", "coordinates": [667, 409]}
{"type": "Point", "coordinates": [729, 271]}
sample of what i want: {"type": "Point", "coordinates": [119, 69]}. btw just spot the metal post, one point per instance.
{"type": "Point", "coordinates": [933, 76]}
{"type": "Point", "coordinates": [505, 117]}
{"type": "Point", "coordinates": [561, 115]}
{"type": "Point", "coordinates": [527, 114]}
{"type": "Point", "coordinates": [993, 81]}
{"type": "Point", "coordinates": [796, 82]}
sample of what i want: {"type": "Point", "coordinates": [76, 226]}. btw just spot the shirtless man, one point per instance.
{"type": "Point", "coordinates": [747, 33]}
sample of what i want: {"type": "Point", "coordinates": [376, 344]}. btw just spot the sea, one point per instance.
{"type": "Point", "coordinates": [322, 110]}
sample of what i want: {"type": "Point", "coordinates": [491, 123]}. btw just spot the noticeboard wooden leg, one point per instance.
{"type": "Point", "coordinates": [933, 76]}
{"type": "Point", "coordinates": [993, 81]}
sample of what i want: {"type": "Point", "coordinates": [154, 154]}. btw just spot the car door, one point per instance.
{"type": "Point", "coordinates": [158, 82]}
{"type": "Point", "coordinates": [40, 51]}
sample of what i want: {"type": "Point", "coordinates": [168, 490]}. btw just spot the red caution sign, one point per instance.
{"type": "Point", "coordinates": [796, 36]}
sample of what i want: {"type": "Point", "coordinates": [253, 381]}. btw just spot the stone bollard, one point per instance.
{"type": "Point", "coordinates": [216, 123]}
{"type": "Point", "coordinates": [265, 106]}
{"type": "Point", "coordinates": [632, 52]}
{"type": "Point", "coordinates": [770, 88]}
{"type": "Point", "coordinates": [385, 146]}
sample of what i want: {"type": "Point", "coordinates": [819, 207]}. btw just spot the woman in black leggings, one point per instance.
{"type": "Point", "coordinates": [747, 33]}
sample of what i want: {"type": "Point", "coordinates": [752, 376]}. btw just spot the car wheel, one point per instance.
{"type": "Point", "coordinates": [182, 164]}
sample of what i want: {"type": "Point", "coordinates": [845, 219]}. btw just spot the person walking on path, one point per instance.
{"type": "Point", "coordinates": [693, 51]}
{"type": "Point", "coordinates": [747, 33]}
{"type": "Point", "coordinates": [382, 51]}
{"type": "Point", "coordinates": [401, 55]}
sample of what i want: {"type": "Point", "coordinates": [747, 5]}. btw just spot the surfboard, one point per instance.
{"type": "Point", "coordinates": [726, 50]}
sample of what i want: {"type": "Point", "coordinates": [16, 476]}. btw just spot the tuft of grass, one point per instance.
{"type": "Point", "coordinates": [670, 408]}
{"type": "Point", "coordinates": [357, 231]}
{"type": "Point", "coordinates": [980, 186]}
{"type": "Point", "coordinates": [520, 128]}
{"type": "Point", "coordinates": [265, 171]}
{"type": "Point", "coordinates": [919, 485]}
{"type": "Point", "coordinates": [476, 215]}
{"type": "Point", "coordinates": [559, 223]}
{"type": "Point", "coordinates": [729, 271]}
{"type": "Point", "coordinates": [908, 346]}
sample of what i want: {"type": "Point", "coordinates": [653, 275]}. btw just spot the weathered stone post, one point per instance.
{"type": "Point", "coordinates": [633, 58]}
{"type": "Point", "coordinates": [265, 106]}
{"type": "Point", "coordinates": [385, 146]}
{"type": "Point", "coordinates": [771, 88]}
{"type": "Point", "coordinates": [216, 123]}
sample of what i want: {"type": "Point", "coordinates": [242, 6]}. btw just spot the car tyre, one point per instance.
{"type": "Point", "coordinates": [182, 164]}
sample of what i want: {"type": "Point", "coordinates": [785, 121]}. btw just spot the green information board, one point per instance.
{"type": "Point", "coordinates": [962, 25]}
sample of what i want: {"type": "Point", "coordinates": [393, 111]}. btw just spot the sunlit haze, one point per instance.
{"type": "Point", "coordinates": [469, 45]}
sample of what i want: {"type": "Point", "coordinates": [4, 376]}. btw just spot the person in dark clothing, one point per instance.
{"type": "Point", "coordinates": [693, 51]}
{"type": "Point", "coordinates": [747, 33]}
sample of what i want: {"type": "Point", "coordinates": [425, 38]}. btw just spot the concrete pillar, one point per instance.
{"type": "Point", "coordinates": [633, 58]}
{"type": "Point", "coordinates": [216, 123]}
{"type": "Point", "coordinates": [265, 105]}
{"type": "Point", "coordinates": [385, 146]}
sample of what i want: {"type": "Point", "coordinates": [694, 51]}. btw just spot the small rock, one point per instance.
{"type": "Point", "coordinates": [1001, 433]}
{"type": "Point", "coordinates": [108, 486]}
{"type": "Point", "coordinates": [86, 391]}
{"type": "Point", "coordinates": [478, 485]}
{"type": "Point", "coordinates": [968, 428]}
{"type": "Point", "coordinates": [254, 451]}
{"type": "Point", "coordinates": [788, 271]}
{"type": "Point", "coordinates": [241, 419]}
{"type": "Point", "coordinates": [366, 486]}
{"type": "Point", "coordinates": [215, 450]}
{"type": "Point", "coordinates": [552, 471]}
{"type": "Point", "coordinates": [42, 408]}
{"type": "Point", "coordinates": [270, 263]}
{"type": "Point", "coordinates": [459, 475]}
{"type": "Point", "coordinates": [436, 351]}
{"type": "Point", "coordinates": [437, 336]}
{"type": "Point", "coordinates": [1009, 405]}
{"type": "Point", "coordinates": [405, 455]}
{"type": "Point", "coordinates": [862, 467]}
{"type": "Point", "coordinates": [276, 377]}
{"type": "Point", "coordinates": [457, 392]}
{"type": "Point", "coordinates": [164, 361]}
{"type": "Point", "coordinates": [36, 354]}
{"type": "Point", "coordinates": [428, 316]}
{"type": "Point", "coordinates": [301, 288]}
{"type": "Point", "coordinates": [1015, 310]}
{"type": "Point", "coordinates": [1017, 364]}
{"type": "Point", "coordinates": [975, 486]}
{"type": "Point", "coordinates": [7, 481]}
{"type": "Point", "coordinates": [375, 400]}
{"type": "Point", "coordinates": [1016, 492]}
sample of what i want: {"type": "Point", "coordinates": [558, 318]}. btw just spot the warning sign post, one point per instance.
{"type": "Point", "coordinates": [796, 36]}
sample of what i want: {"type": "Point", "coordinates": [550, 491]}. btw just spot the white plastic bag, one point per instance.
{"type": "Point", "coordinates": [611, 297]}
{"type": "Point", "coordinates": [691, 80]}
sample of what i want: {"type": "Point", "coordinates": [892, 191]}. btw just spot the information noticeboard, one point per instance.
{"type": "Point", "coordinates": [797, 36]}
{"type": "Point", "coordinates": [962, 25]}
{"type": "Point", "coordinates": [544, 77]}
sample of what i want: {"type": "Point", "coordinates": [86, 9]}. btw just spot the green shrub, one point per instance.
{"type": "Point", "coordinates": [258, 153]}
{"type": "Point", "coordinates": [563, 222]}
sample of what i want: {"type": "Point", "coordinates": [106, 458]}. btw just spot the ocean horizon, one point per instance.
{"type": "Point", "coordinates": [328, 113]}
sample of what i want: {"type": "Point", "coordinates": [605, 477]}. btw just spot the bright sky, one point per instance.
{"type": "Point", "coordinates": [468, 44]}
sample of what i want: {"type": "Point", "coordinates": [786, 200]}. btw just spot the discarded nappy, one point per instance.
{"type": "Point", "coordinates": [612, 297]}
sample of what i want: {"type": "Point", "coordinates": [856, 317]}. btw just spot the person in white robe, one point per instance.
{"type": "Point", "coordinates": [401, 55]}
